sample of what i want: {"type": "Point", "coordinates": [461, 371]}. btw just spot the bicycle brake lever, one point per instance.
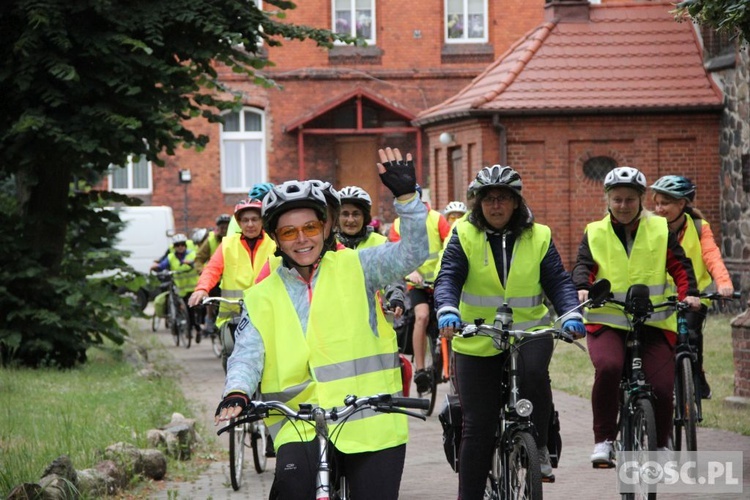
{"type": "Point", "coordinates": [566, 337]}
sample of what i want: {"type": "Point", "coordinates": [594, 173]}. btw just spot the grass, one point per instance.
{"type": "Point", "coordinates": [571, 371]}
{"type": "Point", "coordinates": [79, 412]}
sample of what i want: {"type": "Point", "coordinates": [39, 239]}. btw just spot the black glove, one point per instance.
{"type": "Point", "coordinates": [396, 303]}
{"type": "Point", "coordinates": [233, 399]}
{"type": "Point", "coordinates": [399, 177]}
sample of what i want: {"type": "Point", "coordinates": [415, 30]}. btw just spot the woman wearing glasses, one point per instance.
{"type": "Point", "coordinates": [497, 255]}
{"type": "Point", "coordinates": [313, 322]}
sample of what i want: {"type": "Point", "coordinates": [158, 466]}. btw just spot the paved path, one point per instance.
{"type": "Point", "coordinates": [427, 475]}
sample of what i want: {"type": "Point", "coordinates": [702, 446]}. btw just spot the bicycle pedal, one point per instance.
{"type": "Point", "coordinates": [603, 465]}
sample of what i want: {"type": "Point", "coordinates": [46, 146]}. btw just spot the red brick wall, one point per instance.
{"type": "Point", "coordinates": [549, 153]}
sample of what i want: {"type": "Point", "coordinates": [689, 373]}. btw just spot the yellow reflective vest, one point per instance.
{"type": "Point", "coordinates": [646, 265]}
{"type": "Point", "coordinates": [240, 270]}
{"type": "Point", "coordinates": [187, 278]}
{"type": "Point", "coordinates": [691, 243]}
{"type": "Point", "coordinates": [337, 355]}
{"type": "Point", "coordinates": [428, 269]}
{"type": "Point", "coordinates": [483, 291]}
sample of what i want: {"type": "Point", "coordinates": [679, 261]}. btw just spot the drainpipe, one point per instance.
{"type": "Point", "coordinates": [502, 136]}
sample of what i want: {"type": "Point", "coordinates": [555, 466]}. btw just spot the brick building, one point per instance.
{"type": "Point", "coordinates": [566, 104]}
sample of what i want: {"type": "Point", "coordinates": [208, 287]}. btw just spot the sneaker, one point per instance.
{"type": "Point", "coordinates": [705, 389]}
{"type": "Point", "coordinates": [545, 466]}
{"type": "Point", "coordinates": [603, 456]}
{"type": "Point", "coordinates": [422, 381]}
{"type": "Point", "coordinates": [198, 337]}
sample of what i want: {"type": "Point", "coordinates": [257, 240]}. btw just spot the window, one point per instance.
{"type": "Point", "coordinates": [243, 150]}
{"type": "Point", "coordinates": [133, 178]}
{"type": "Point", "coordinates": [355, 18]}
{"type": "Point", "coordinates": [465, 21]}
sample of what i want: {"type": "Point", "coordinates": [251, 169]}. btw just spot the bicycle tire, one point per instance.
{"type": "Point", "coordinates": [433, 359]}
{"type": "Point", "coordinates": [172, 315]}
{"type": "Point", "coordinates": [640, 435]}
{"type": "Point", "coordinates": [216, 344]}
{"type": "Point", "coordinates": [522, 475]}
{"type": "Point", "coordinates": [183, 324]}
{"type": "Point", "coordinates": [236, 454]}
{"type": "Point", "coordinates": [258, 441]}
{"type": "Point", "coordinates": [154, 323]}
{"type": "Point", "coordinates": [686, 408]}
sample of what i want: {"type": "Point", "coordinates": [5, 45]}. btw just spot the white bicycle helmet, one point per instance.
{"type": "Point", "coordinates": [332, 196]}
{"type": "Point", "coordinates": [355, 195]}
{"type": "Point", "coordinates": [179, 238]}
{"type": "Point", "coordinates": [627, 177]}
{"type": "Point", "coordinates": [289, 195]}
{"type": "Point", "coordinates": [496, 176]}
{"type": "Point", "coordinates": [455, 206]}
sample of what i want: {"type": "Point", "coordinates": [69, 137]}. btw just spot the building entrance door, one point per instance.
{"type": "Point", "coordinates": [356, 166]}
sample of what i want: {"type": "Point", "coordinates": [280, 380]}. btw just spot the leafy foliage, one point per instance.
{"type": "Point", "coordinates": [84, 84]}
{"type": "Point", "coordinates": [722, 15]}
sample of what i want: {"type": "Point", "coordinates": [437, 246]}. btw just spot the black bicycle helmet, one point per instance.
{"type": "Point", "coordinates": [676, 186]}
{"type": "Point", "coordinates": [625, 177]}
{"type": "Point", "coordinates": [494, 177]}
{"type": "Point", "coordinates": [223, 219]}
{"type": "Point", "coordinates": [289, 195]}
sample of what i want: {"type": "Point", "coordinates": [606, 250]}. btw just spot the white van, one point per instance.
{"type": "Point", "coordinates": [146, 234]}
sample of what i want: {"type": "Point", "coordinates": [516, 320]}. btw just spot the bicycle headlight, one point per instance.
{"type": "Point", "coordinates": [524, 407]}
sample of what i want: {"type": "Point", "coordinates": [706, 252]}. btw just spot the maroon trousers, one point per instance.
{"type": "Point", "coordinates": [607, 352]}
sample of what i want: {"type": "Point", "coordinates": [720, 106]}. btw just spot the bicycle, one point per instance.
{"type": "Point", "coordinates": [437, 351]}
{"type": "Point", "coordinates": [515, 471]}
{"type": "Point", "coordinates": [320, 418]}
{"type": "Point", "coordinates": [178, 315]}
{"type": "Point", "coordinates": [688, 411]}
{"type": "Point", "coordinates": [257, 431]}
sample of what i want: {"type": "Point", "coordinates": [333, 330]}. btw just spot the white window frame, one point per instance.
{"type": "Point", "coordinates": [465, 38]}
{"type": "Point", "coordinates": [242, 136]}
{"type": "Point", "coordinates": [353, 29]}
{"type": "Point", "coordinates": [130, 189]}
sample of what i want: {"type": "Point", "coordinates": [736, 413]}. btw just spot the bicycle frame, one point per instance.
{"type": "Point", "coordinates": [320, 418]}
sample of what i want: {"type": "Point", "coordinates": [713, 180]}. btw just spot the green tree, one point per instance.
{"type": "Point", "coordinates": [723, 15]}
{"type": "Point", "coordinates": [84, 83]}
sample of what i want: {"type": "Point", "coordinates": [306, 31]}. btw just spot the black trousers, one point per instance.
{"type": "Point", "coordinates": [373, 475]}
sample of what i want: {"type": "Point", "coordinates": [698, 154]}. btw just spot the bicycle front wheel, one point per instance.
{"type": "Point", "coordinates": [259, 441]}
{"type": "Point", "coordinates": [216, 344]}
{"type": "Point", "coordinates": [173, 316]}
{"type": "Point", "coordinates": [639, 436]}
{"type": "Point", "coordinates": [522, 476]}
{"type": "Point", "coordinates": [236, 454]}
{"type": "Point", "coordinates": [183, 324]}
{"type": "Point", "coordinates": [686, 408]}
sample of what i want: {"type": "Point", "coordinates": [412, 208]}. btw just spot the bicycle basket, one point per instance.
{"type": "Point", "coordinates": [160, 305]}
{"type": "Point", "coordinates": [451, 418]}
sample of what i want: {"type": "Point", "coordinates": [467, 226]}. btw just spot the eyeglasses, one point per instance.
{"type": "Point", "coordinates": [356, 214]}
{"type": "Point", "coordinates": [309, 229]}
{"type": "Point", "coordinates": [180, 245]}
{"type": "Point", "coordinates": [501, 198]}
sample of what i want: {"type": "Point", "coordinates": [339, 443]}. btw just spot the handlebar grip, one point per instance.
{"type": "Point", "coordinates": [737, 295]}
{"type": "Point", "coordinates": [416, 403]}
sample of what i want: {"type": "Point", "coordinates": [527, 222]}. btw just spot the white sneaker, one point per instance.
{"type": "Point", "coordinates": [545, 465]}
{"type": "Point", "coordinates": [604, 454]}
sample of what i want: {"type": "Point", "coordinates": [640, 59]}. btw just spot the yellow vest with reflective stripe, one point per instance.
{"type": "Point", "coordinates": [336, 356]}
{"type": "Point", "coordinates": [429, 267]}
{"type": "Point", "coordinates": [374, 239]}
{"type": "Point", "coordinates": [483, 291]}
{"type": "Point", "coordinates": [213, 243]}
{"type": "Point", "coordinates": [188, 278]}
{"type": "Point", "coordinates": [646, 265]}
{"type": "Point", "coordinates": [239, 271]}
{"type": "Point", "coordinates": [691, 243]}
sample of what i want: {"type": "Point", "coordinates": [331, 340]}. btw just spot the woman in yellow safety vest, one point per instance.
{"type": "Point", "coordinates": [630, 246]}
{"type": "Point", "coordinates": [310, 325]}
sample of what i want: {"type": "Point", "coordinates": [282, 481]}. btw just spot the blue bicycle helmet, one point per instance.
{"type": "Point", "coordinates": [259, 190]}
{"type": "Point", "coordinates": [676, 186]}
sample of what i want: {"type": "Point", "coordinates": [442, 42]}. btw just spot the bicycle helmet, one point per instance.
{"type": "Point", "coordinates": [676, 186]}
{"type": "Point", "coordinates": [627, 177]}
{"type": "Point", "coordinates": [455, 206]}
{"type": "Point", "coordinates": [333, 198]}
{"type": "Point", "coordinates": [179, 238]}
{"type": "Point", "coordinates": [246, 205]}
{"type": "Point", "coordinates": [496, 176]}
{"type": "Point", "coordinates": [355, 195]}
{"type": "Point", "coordinates": [259, 190]}
{"type": "Point", "coordinates": [223, 219]}
{"type": "Point", "coordinates": [199, 234]}
{"type": "Point", "coordinates": [290, 195]}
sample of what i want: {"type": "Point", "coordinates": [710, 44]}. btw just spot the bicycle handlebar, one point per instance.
{"type": "Point", "coordinates": [501, 336]}
{"type": "Point", "coordinates": [384, 403]}
{"type": "Point", "coordinates": [210, 300]}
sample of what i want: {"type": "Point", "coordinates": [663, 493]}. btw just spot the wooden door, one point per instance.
{"type": "Point", "coordinates": [356, 159]}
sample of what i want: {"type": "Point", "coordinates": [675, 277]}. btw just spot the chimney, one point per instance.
{"type": "Point", "coordinates": [567, 11]}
